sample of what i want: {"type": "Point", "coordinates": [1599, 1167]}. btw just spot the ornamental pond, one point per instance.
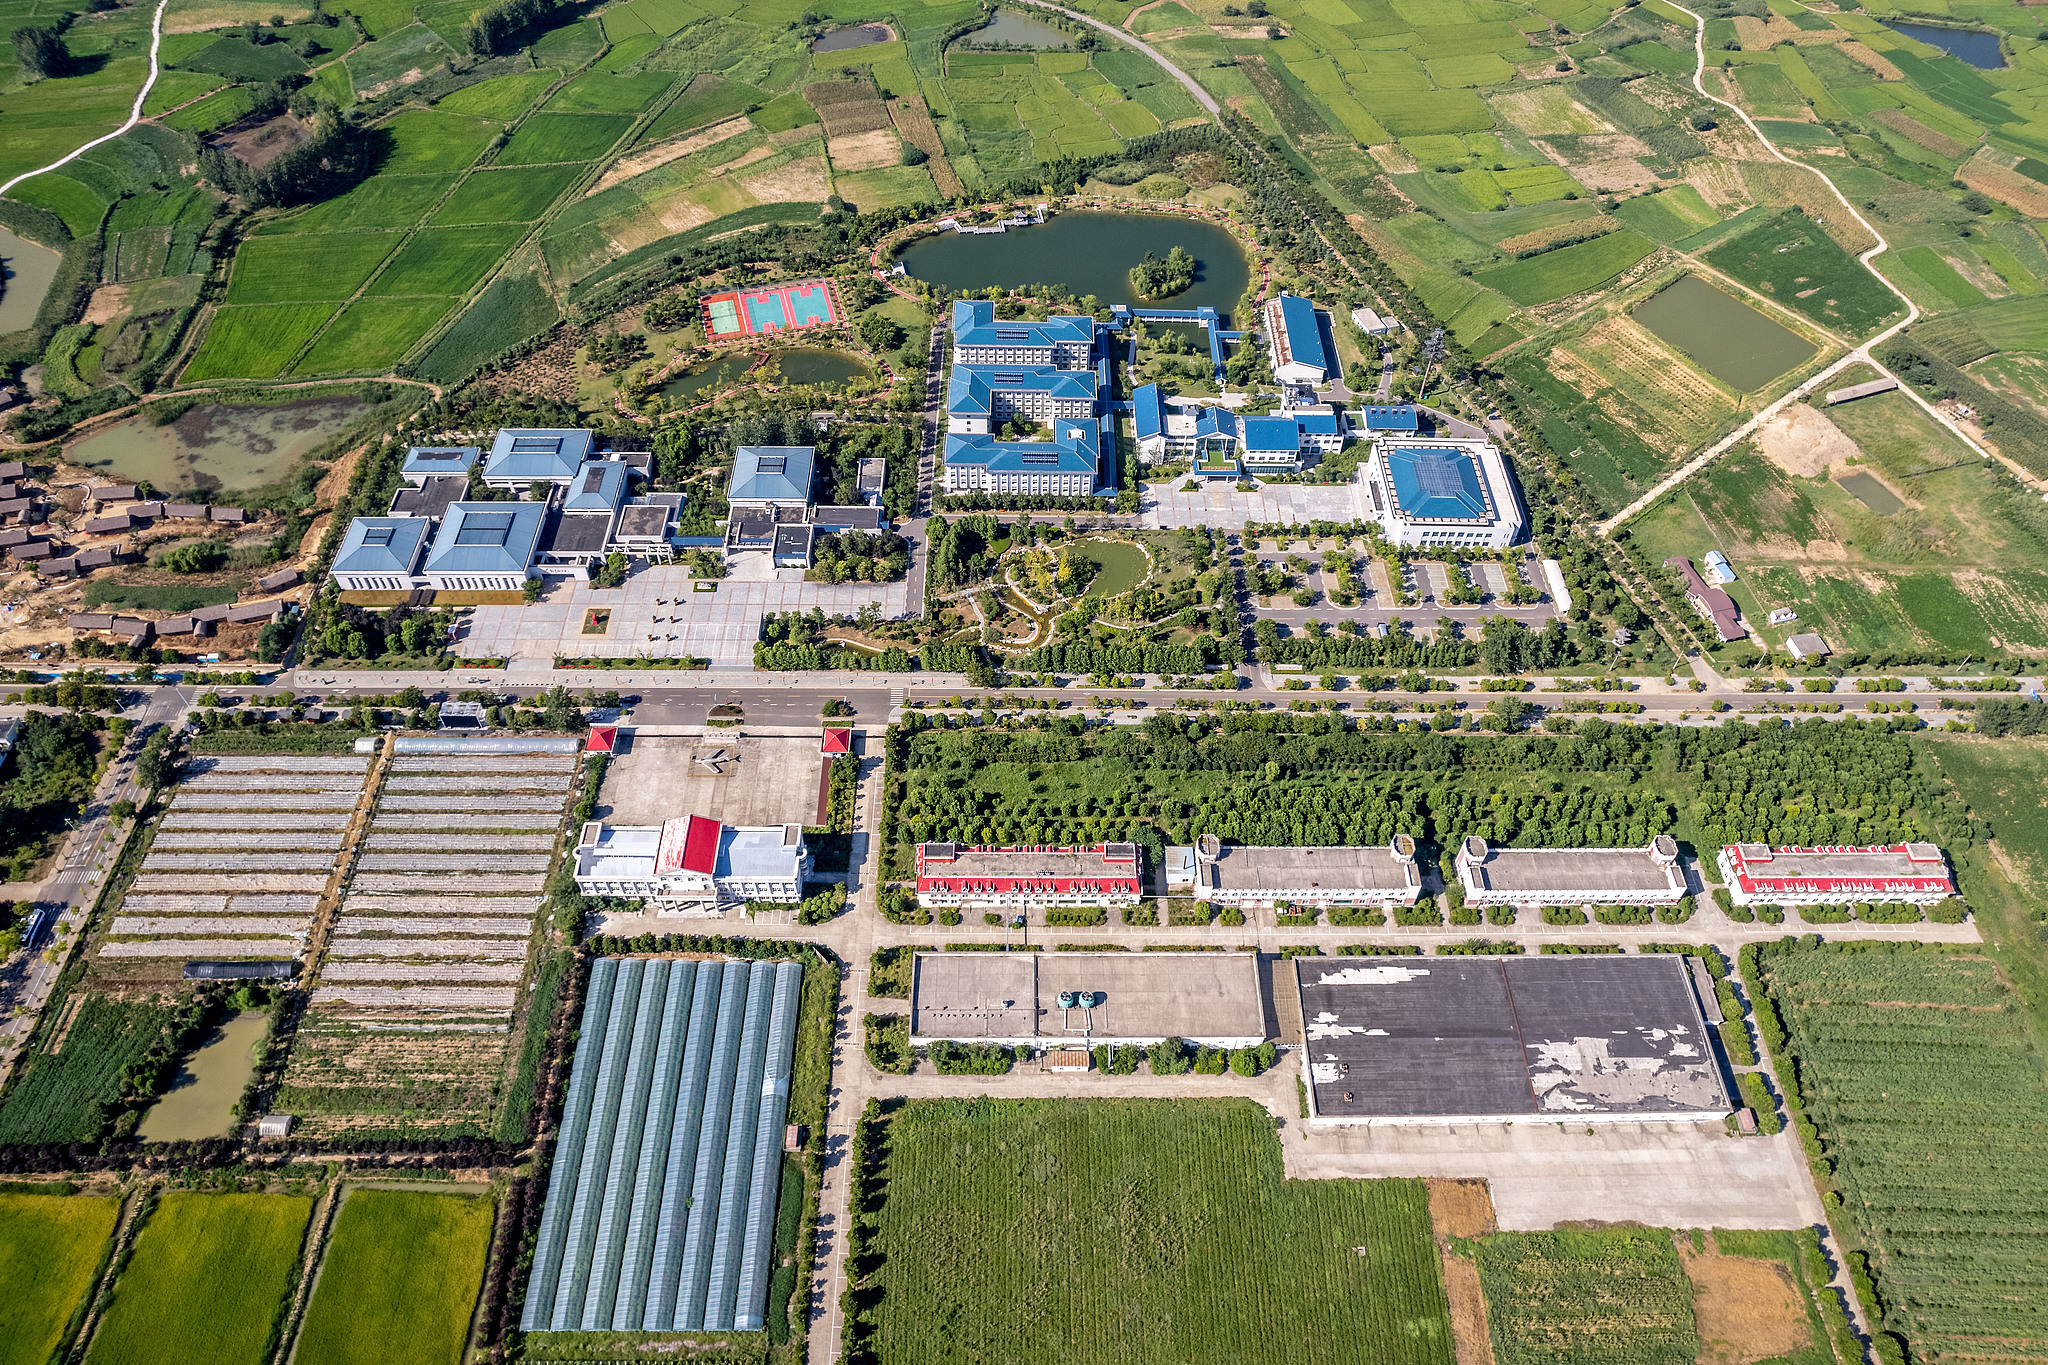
{"type": "Point", "coordinates": [1089, 253]}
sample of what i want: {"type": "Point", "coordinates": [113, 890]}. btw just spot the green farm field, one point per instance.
{"type": "Point", "coordinates": [517, 196]}
{"type": "Point", "coordinates": [255, 342]}
{"type": "Point", "coordinates": [1924, 1078]}
{"type": "Point", "coordinates": [1050, 1230]}
{"type": "Point", "coordinates": [304, 268]}
{"type": "Point", "coordinates": [373, 334]}
{"type": "Point", "coordinates": [206, 1281]}
{"type": "Point", "coordinates": [1797, 264]}
{"type": "Point", "coordinates": [446, 260]}
{"type": "Point", "coordinates": [1569, 270]}
{"type": "Point", "coordinates": [548, 138]}
{"type": "Point", "coordinates": [399, 1267]}
{"type": "Point", "coordinates": [69, 1096]}
{"type": "Point", "coordinates": [50, 1248]}
{"type": "Point", "coordinates": [1606, 1296]}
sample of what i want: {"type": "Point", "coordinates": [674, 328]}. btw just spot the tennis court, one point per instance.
{"type": "Point", "coordinates": [778, 308]}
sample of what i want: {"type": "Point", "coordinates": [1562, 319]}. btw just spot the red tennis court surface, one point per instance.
{"type": "Point", "coordinates": [777, 308]}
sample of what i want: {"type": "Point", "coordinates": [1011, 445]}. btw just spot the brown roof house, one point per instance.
{"type": "Point", "coordinates": [1709, 601]}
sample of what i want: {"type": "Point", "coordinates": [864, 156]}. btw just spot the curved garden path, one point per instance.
{"type": "Point", "coordinates": [156, 38]}
{"type": "Point", "coordinates": [1858, 355]}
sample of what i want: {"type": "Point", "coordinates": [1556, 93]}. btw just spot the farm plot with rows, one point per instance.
{"type": "Point", "coordinates": [1605, 1296]}
{"type": "Point", "coordinates": [414, 1004]}
{"type": "Point", "coordinates": [1917, 1066]}
{"type": "Point", "coordinates": [231, 874]}
{"type": "Point", "coordinates": [49, 1251]}
{"type": "Point", "coordinates": [1054, 1230]}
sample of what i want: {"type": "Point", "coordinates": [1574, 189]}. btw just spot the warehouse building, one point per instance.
{"type": "Point", "coordinates": [1429, 493]}
{"type": "Point", "coordinates": [1592, 1039]}
{"type": "Point", "coordinates": [1019, 878]}
{"type": "Point", "coordinates": [1048, 1000]}
{"type": "Point", "coordinates": [1571, 876]}
{"type": "Point", "coordinates": [693, 865]}
{"type": "Point", "coordinates": [1757, 873]}
{"type": "Point", "coordinates": [1238, 875]}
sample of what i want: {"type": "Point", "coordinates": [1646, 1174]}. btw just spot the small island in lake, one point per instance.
{"type": "Point", "coordinates": [1153, 278]}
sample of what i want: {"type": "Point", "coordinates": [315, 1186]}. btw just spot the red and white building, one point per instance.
{"type": "Point", "coordinates": [1759, 874]}
{"type": "Point", "coordinates": [692, 864]}
{"type": "Point", "coordinates": [1028, 877]}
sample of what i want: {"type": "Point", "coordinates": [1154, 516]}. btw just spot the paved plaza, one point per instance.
{"type": "Point", "coordinates": [659, 613]}
{"type": "Point", "coordinates": [1222, 506]}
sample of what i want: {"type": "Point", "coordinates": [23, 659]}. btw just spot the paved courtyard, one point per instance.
{"type": "Point", "coordinates": [1222, 506]}
{"type": "Point", "coordinates": [659, 613]}
{"type": "Point", "coordinates": [741, 780]}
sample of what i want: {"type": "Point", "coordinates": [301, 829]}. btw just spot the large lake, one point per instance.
{"type": "Point", "coordinates": [25, 274]}
{"type": "Point", "coordinates": [1089, 253]}
{"type": "Point", "coordinates": [216, 445]}
{"type": "Point", "coordinates": [1731, 340]}
{"type": "Point", "coordinates": [1973, 45]}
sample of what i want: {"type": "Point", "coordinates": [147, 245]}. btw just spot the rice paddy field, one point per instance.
{"type": "Point", "coordinates": [399, 1266]}
{"type": "Point", "coordinates": [206, 1281]}
{"type": "Point", "coordinates": [1050, 1229]}
{"type": "Point", "coordinates": [50, 1248]}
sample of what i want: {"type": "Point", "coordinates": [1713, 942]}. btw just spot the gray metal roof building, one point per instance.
{"type": "Point", "coordinates": [1488, 1039]}
{"type": "Point", "coordinates": [1014, 998]}
{"type": "Point", "coordinates": [660, 1211]}
{"type": "Point", "coordinates": [771, 474]}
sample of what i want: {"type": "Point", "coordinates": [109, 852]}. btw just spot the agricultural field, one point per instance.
{"type": "Point", "coordinates": [398, 1267]}
{"type": "Point", "coordinates": [1922, 1075]}
{"type": "Point", "coordinates": [70, 1087]}
{"type": "Point", "coordinates": [50, 1247]}
{"type": "Point", "coordinates": [413, 1009]}
{"type": "Point", "coordinates": [1131, 1259]}
{"type": "Point", "coordinates": [1793, 261]}
{"type": "Point", "coordinates": [206, 1281]}
{"type": "Point", "coordinates": [1570, 269]}
{"type": "Point", "coordinates": [1592, 1296]}
{"type": "Point", "coordinates": [1956, 565]}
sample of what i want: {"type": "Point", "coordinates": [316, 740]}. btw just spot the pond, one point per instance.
{"type": "Point", "coordinates": [1009, 28]}
{"type": "Point", "coordinates": [25, 274]}
{"type": "Point", "coordinates": [1871, 492]}
{"type": "Point", "coordinates": [799, 365]}
{"type": "Point", "coordinates": [201, 1100]}
{"type": "Point", "coordinates": [1089, 253]}
{"type": "Point", "coordinates": [846, 39]}
{"type": "Point", "coordinates": [1975, 46]}
{"type": "Point", "coordinates": [1119, 566]}
{"type": "Point", "coordinates": [221, 446]}
{"type": "Point", "coordinates": [1729, 339]}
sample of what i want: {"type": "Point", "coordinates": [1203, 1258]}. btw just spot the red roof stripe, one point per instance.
{"type": "Point", "coordinates": [700, 846]}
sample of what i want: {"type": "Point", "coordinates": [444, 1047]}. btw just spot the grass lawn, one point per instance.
{"type": "Point", "coordinates": [205, 1285]}
{"type": "Point", "coordinates": [1141, 1230]}
{"type": "Point", "coordinates": [49, 1250]}
{"type": "Point", "coordinates": [1118, 567]}
{"type": "Point", "coordinates": [400, 1267]}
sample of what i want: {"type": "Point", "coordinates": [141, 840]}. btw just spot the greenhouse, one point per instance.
{"type": "Point", "coordinates": [660, 1212]}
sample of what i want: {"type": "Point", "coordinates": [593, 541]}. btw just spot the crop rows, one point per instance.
{"type": "Point", "coordinates": [272, 801]}
{"type": "Point", "coordinates": [149, 926]}
{"type": "Point", "coordinates": [239, 905]}
{"type": "Point", "coordinates": [334, 823]}
{"type": "Point", "coordinates": [202, 947]}
{"type": "Point", "coordinates": [238, 862]}
{"type": "Point", "coordinates": [429, 917]}
{"type": "Point", "coordinates": [176, 840]}
{"type": "Point", "coordinates": [1918, 1068]}
{"type": "Point", "coordinates": [1591, 1296]}
{"type": "Point", "coordinates": [1052, 1230]}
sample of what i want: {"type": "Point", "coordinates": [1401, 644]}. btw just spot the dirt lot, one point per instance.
{"type": "Point", "coordinates": [1745, 1310]}
{"type": "Point", "coordinates": [1467, 1301]}
{"type": "Point", "coordinates": [1802, 441]}
{"type": "Point", "coordinates": [1460, 1208]}
{"type": "Point", "coordinates": [750, 780]}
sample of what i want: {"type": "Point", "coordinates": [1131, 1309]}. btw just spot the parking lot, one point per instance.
{"type": "Point", "coordinates": [1427, 581]}
{"type": "Point", "coordinates": [1219, 504]}
{"type": "Point", "coordinates": [755, 780]}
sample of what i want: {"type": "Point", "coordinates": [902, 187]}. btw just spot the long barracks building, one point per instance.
{"type": "Point", "coordinates": [1760, 874]}
{"type": "Point", "coordinates": [1027, 877]}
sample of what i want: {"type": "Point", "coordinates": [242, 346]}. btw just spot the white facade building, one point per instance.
{"type": "Point", "coordinates": [1571, 876]}
{"type": "Point", "coordinates": [1427, 493]}
{"type": "Point", "coordinates": [692, 864]}
{"type": "Point", "coordinates": [1237, 875]}
{"type": "Point", "coordinates": [1757, 874]}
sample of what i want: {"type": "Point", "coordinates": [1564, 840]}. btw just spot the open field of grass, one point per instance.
{"type": "Point", "coordinates": [382, 201]}
{"type": "Point", "coordinates": [446, 260]}
{"type": "Point", "coordinates": [1797, 264]}
{"type": "Point", "coordinates": [372, 334]}
{"type": "Point", "coordinates": [50, 1247]}
{"type": "Point", "coordinates": [1924, 1080]}
{"type": "Point", "coordinates": [501, 97]}
{"type": "Point", "coordinates": [517, 196]}
{"type": "Point", "coordinates": [205, 1284]}
{"type": "Point", "coordinates": [302, 268]}
{"type": "Point", "coordinates": [1570, 269]}
{"type": "Point", "coordinates": [399, 1267]}
{"type": "Point", "coordinates": [548, 138]}
{"type": "Point", "coordinates": [1129, 1259]}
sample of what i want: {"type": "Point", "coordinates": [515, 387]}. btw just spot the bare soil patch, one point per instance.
{"type": "Point", "coordinates": [866, 151]}
{"type": "Point", "coordinates": [1802, 441]}
{"type": "Point", "coordinates": [1872, 58]}
{"type": "Point", "coordinates": [1469, 1339]}
{"type": "Point", "coordinates": [663, 153]}
{"type": "Point", "coordinates": [1745, 1310]}
{"type": "Point", "coordinates": [1985, 172]}
{"type": "Point", "coordinates": [1558, 232]}
{"type": "Point", "coordinates": [799, 182]}
{"type": "Point", "coordinates": [258, 144]}
{"type": "Point", "coordinates": [109, 301]}
{"type": "Point", "coordinates": [1460, 1208]}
